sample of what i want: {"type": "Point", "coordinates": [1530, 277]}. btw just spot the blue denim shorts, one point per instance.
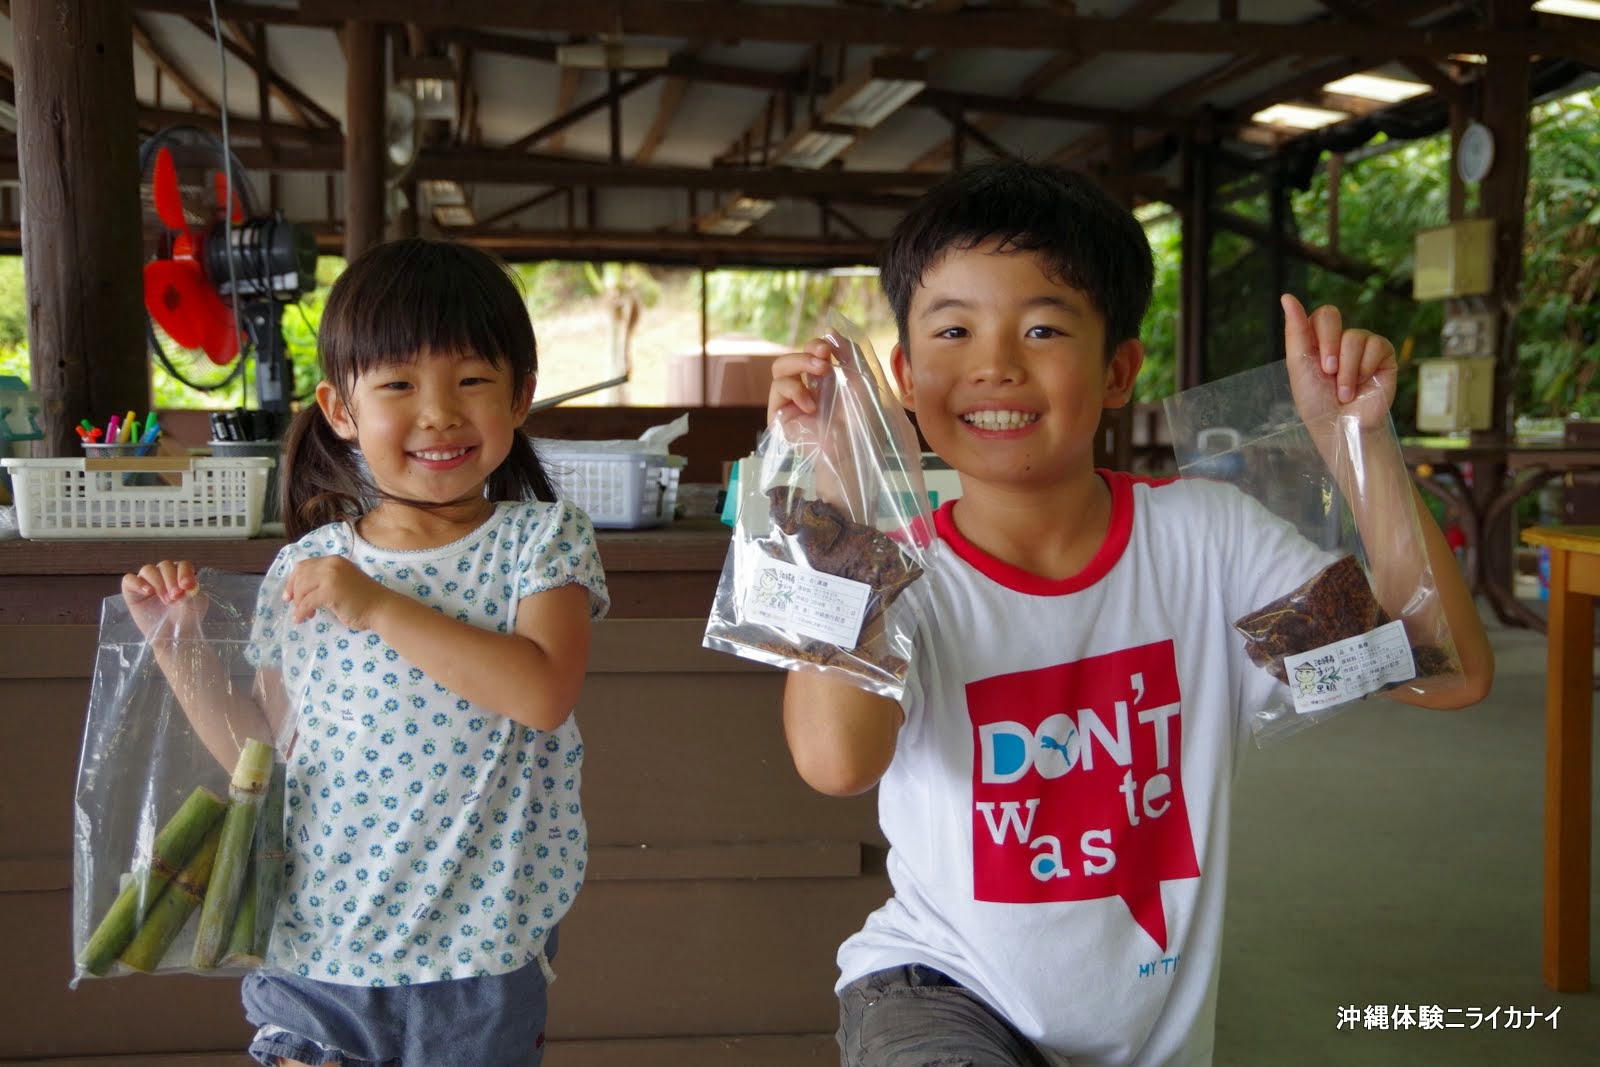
{"type": "Point", "coordinates": [465, 1022]}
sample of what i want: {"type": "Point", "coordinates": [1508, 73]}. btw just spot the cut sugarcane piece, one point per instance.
{"type": "Point", "coordinates": [245, 795]}
{"type": "Point", "coordinates": [173, 908]}
{"type": "Point", "coordinates": [174, 845]}
{"type": "Point", "coordinates": [270, 858]}
{"type": "Point", "coordinates": [241, 942]}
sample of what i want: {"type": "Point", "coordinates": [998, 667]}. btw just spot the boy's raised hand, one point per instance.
{"type": "Point", "coordinates": [791, 392]}
{"type": "Point", "coordinates": [1336, 371]}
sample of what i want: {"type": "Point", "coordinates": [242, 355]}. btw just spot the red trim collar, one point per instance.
{"type": "Point", "coordinates": [1021, 581]}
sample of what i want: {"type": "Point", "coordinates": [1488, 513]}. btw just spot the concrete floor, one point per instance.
{"type": "Point", "coordinates": [1393, 856]}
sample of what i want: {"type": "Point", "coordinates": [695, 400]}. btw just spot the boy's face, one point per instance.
{"type": "Point", "coordinates": [1007, 370]}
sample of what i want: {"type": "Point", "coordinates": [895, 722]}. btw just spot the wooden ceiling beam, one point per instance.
{"type": "Point", "coordinates": [497, 167]}
{"type": "Point", "coordinates": [519, 207]}
{"type": "Point", "coordinates": [240, 126]}
{"type": "Point", "coordinates": [1436, 78]}
{"type": "Point", "coordinates": [566, 95]}
{"type": "Point", "coordinates": [305, 110]}
{"type": "Point", "coordinates": [198, 97]}
{"type": "Point", "coordinates": [672, 93]}
{"type": "Point", "coordinates": [1023, 28]}
{"type": "Point", "coordinates": [1241, 66]}
{"type": "Point", "coordinates": [582, 111]}
{"type": "Point", "coordinates": [1020, 107]}
{"type": "Point", "coordinates": [1036, 83]}
{"type": "Point", "coordinates": [608, 244]}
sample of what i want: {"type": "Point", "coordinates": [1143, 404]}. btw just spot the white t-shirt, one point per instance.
{"type": "Point", "coordinates": [1057, 808]}
{"type": "Point", "coordinates": [428, 838]}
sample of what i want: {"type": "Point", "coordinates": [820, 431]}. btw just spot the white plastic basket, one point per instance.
{"type": "Point", "coordinates": [61, 499]}
{"type": "Point", "coordinates": [618, 489]}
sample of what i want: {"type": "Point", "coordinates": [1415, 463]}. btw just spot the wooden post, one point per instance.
{"type": "Point", "coordinates": [1116, 425]}
{"type": "Point", "coordinates": [1278, 213]}
{"type": "Point", "coordinates": [1195, 270]}
{"type": "Point", "coordinates": [363, 138]}
{"type": "Point", "coordinates": [1502, 197]}
{"type": "Point", "coordinates": [77, 149]}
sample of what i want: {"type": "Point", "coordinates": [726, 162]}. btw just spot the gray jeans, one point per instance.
{"type": "Point", "coordinates": [496, 1021]}
{"type": "Point", "coordinates": [914, 1016]}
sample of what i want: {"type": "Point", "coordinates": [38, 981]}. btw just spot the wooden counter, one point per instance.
{"type": "Point", "coordinates": [719, 885]}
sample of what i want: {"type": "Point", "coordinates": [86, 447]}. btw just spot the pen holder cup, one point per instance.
{"type": "Point", "coordinates": [125, 451]}
{"type": "Point", "coordinates": [271, 508]}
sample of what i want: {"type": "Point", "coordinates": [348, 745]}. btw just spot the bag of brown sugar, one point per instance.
{"type": "Point", "coordinates": [1346, 630]}
{"type": "Point", "coordinates": [830, 533]}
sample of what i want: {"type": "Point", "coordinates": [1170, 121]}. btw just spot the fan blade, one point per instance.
{"type": "Point", "coordinates": [182, 303]}
{"type": "Point", "coordinates": [169, 202]}
{"type": "Point", "coordinates": [219, 185]}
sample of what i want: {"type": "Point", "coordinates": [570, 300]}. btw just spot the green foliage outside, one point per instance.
{"type": "Point", "coordinates": [1383, 201]}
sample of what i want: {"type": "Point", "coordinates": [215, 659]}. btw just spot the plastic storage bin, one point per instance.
{"type": "Point", "coordinates": [62, 499]}
{"type": "Point", "coordinates": [618, 488]}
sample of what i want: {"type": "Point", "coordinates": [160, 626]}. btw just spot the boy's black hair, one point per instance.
{"type": "Point", "coordinates": [1083, 236]}
{"type": "Point", "coordinates": [397, 302]}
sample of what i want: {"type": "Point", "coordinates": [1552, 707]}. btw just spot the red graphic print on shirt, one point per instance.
{"type": "Point", "coordinates": [1077, 785]}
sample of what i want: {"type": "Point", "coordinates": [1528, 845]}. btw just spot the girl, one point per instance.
{"type": "Point", "coordinates": [427, 635]}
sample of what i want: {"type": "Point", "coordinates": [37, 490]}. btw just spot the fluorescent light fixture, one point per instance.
{"type": "Point", "coordinates": [753, 208]}
{"type": "Point", "coordinates": [1376, 87]}
{"type": "Point", "coordinates": [612, 55]}
{"type": "Point", "coordinates": [433, 81]}
{"type": "Point", "coordinates": [722, 225]}
{"type": "Point", "coordinates": [874, 91]}
{"type": "Point", "coordinates": [1297, 116]}
{"type": "Point", "coordinates": [735, 215]}
{"type": "Point", "coordinates": [442, 192]}
{"type": "Point", "coordinates": [454, 215]}
{"type": "Point", "coordinates": [813, 148]}
{"type": "Point", "coordinates": [8, 116]}
{"type": "Point", "coordinates": [1578, 9]}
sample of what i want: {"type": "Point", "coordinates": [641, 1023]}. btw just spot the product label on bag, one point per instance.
{"type": "Point", "coordinates": [1352, 668]}
{"type": "Point", "coordinates": [807, 602]}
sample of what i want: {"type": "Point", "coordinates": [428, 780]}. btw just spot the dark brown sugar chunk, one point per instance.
{"type": "Point", "coordinates": [815, 534]}
{"type": "Point", "coordinates": [1337, 603]}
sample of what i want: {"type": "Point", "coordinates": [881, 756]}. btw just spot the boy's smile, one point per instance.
{"type": "Point", "coordinates": [1006, 368]}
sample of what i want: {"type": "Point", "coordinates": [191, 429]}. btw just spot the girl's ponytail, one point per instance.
{"type": "Point", "coordinates": [521, 476]}
{"type": "Point", "coordinates": [321, 480]}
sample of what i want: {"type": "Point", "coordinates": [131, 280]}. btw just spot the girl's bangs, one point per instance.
{"type": "Point", "coordinates": [439, 303]}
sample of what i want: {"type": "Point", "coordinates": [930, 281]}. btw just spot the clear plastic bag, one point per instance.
{"type": "Point", "coordinates": [1336, 637]}
{"type": "Point", "coordinates": [178, 850]}
{"type": "Point", "coordinates": [835, 528]}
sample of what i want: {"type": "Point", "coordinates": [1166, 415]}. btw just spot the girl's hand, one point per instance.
{"type": "Point", "coordinates": [1335, 371]}
{"type": "Point", "coordinates": [334, 583]}
{"type": "Point", "coordinates": [163, 593]}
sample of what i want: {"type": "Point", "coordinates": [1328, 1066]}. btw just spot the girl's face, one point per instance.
{"type": "Point", "coordinates": [431, 429]}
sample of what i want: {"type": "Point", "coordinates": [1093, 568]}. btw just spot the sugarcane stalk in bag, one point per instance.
{"type": "Point", "coordinates": [173, 908]}
{"type": "Point", "coordinates": [241, 942]}
{"type": "Point", "coordinates": [245, 795]}
{"type": "Point", "coordinates": [174, 846]}
{"type": "Point", "coordinates": [271, 854]}
{"type": "Point", "coordinates": [252, 926]}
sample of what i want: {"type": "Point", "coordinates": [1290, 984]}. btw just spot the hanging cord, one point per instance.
{"type": "Point", "coordinates": [227, 170]}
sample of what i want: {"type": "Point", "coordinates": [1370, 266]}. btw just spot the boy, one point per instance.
{"type": "Point", "coordinates": [1054, 784]}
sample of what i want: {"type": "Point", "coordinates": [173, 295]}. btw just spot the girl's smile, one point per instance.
{"type": "Point", "coordinates": [443, 459]}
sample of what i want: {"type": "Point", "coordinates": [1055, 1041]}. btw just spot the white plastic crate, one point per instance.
{"type": "Point", "coordinates": [618, 489]}
{"type": "Point", "coordinates": [60, 499]}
